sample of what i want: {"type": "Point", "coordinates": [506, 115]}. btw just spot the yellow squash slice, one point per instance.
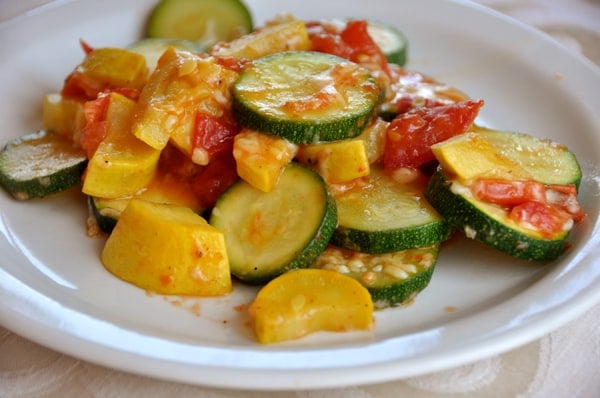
{"type": "Point", "coordinates": [308, 300]}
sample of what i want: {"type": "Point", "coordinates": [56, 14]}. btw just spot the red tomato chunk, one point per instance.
{"type": "Point", "coordinates": [410, 135]}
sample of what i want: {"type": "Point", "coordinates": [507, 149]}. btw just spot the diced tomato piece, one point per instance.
{"type": "Point", "coordinates": [233, 64]}
{"type": "Point", "coordinates": [569, 189]}
{"type": "Point", "coordinates": [96, 126]}
{"type": "Point", "coordinates": [410, 135]}
{"type": "Point", "coordinates": [78, 85]}
{"type": "Point", "coordinates": [353, 42]}
{"type": "Point", "coordinates": [507, 192]}
{"type": "Point", "coordinates": [214, 135]}
{"type": "Point", "coordinates": [215, 178]}
{"type": "Point", "coordinates": [565, 197]}
{"type": "Point", "coordinates": [175, 162]}
{"type": "Point", "coordinates": [363, 46]}
{"type": "Point", "coordinates": [547, 219]}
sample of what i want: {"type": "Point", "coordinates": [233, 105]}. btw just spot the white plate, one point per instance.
{"type": "Point", "coordinates": [54, 290]}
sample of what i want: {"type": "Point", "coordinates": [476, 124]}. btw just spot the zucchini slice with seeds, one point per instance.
{"type": "Point", "coordinates": [267, 234]}
{"type": "Point", "coordinates": [385, 216]}
{"type": "Point", "coordinates": [40, 164]}
{"type": "Point", "coordinates": [509, 156]}
{"type": "Point", "coordinates": [392, 279]}
{"type": "Point", "coordinates": [305, 97]}
{"type": "Point", "coordinates": [489, 223]}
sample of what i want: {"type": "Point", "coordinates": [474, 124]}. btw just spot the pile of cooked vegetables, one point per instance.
{"type": "Point", "coordinates": [299, 156]}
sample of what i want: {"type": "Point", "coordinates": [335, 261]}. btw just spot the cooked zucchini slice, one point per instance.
{"type": "Point", "coordinates": [40, 164]}
{"type": "Point", "coordinates": [546, 161]}
{"type": "Point", "coordinates": [106, 212]}
{"type": "Point", "coordinates": [305, 97]}
{"type": "Point", "coordinates": [270, 233]}
{"type": "Point", "coordinates": [489, 223]}
{"type": "Point", "coordinates": [205, 21]}
{"type": "Point", "coordinates": [385, 216]}
{"type": "Point", "coordinates": [392, 279]}
{"type": "Point", "coordinates": [390, 40]}
{"type": "Point", "coordinates": [509, 156]}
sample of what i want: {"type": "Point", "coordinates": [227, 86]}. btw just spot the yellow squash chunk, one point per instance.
{"type": "Point", "coordinates": [115, 68]}
{"type": "Point", "coordinates": [471, 155]}
{"type": "Point", "coordinates": [164, 188]}
{"type": "Point", "coordinates": [122, 164]}
{"type": "Point", "coordinates": [168, 249]}
{"type": "Point", "coordinates": [261, 158]}
{"type": "Point", "coordinates": [304, 301]}
{"type": "Point", "coordinates": [338, 161]}
{"type": "Point", "coordinates": [63, 115]}
{"type": "Point", "coordinates": [182, 85]}
{"type": "Point", "coordinates": [285, 36]}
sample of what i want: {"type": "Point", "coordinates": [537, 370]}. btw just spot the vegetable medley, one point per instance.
{"type": "Point", "coordinates": [301, 156]}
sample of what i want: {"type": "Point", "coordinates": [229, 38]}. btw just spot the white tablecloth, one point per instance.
{"type": "Point", "coordinates": [564, 363]}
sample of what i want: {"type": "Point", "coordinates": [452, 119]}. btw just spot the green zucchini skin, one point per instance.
{"type": "Point", "coordinates": [40, 164]}
{"type": "Point", "coordinates": [297, 243]}
{"type": "Point", "coordinates": [392, 279]}
{"type": "Point", "coordinates": [106, 220]}
{"type": "Point", "coordinates": [295, 68]}
{"type": "Point", "coordinates": [404, 293]}
{"type": "Point", "coordinates": [378, 242]}
{"type": "Point", "coordinates": [463, 214]}
{"type": "Point", "coordinates": [386, 216]}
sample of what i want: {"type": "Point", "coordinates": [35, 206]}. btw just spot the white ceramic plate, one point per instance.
{"type": "Point", "coordinates": [54, 290]}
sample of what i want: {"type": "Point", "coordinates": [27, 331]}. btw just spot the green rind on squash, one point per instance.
{"type": "Point", "coordinates": [298, 243]}
{"type": "Point", "coordinates": [386, 290]}
{"type": "Point", "coordinates": [306, 128]}
{"type": "Point", "coordinates": [471, 216]}
{"type": "Point", "coordinates": [385, 216]}
{"type": "Point", "coordinates": [378, 242]}
{"type": "Point", "coordinates": [106, 212]}
{"type": "Point", "coordinates": [404, 292]}
{"type": "Point", "coordinates": [40, 164]}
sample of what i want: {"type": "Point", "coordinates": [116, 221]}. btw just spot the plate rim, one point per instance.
{"type": "Point", "coordinates": [20, 322]}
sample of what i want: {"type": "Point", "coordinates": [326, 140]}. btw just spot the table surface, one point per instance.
{"type": "Point", "coordinates": [564, 363]}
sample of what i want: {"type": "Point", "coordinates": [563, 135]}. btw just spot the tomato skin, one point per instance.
{"type": "Point", "coordinates": [357, 37]}
{"type": "Point", "coordinates": [353, 42]}
{"type": "Point", "coordinates": [507, 192]}
{"type": "Point", "coordinates": [214, 135]}
{"type": "Point", "coordinates": [547, 219]}
{"type": "Point", "coordinates": [96, 126]}
{"type": "Point", "coordinates": [214, 179]}
{"type": "Point", "coordinates": [565, 198]}
{"type": "Point", "coordinates": [410, 135]}
{"type": "Point", "coordinates": [232, 63]}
